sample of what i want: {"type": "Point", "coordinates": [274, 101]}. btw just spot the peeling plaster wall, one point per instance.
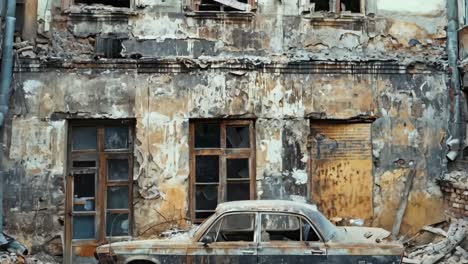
{"type": "Point", "coordinates": [412, 106]}
{"type": "Point", "coordinates": [412, 123]}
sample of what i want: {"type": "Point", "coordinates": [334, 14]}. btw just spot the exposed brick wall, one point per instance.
{"type": "Point", "coordinates": [455, 198]}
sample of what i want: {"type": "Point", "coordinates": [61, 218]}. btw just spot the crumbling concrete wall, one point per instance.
{"type": "Point", "coordinates": [412, 111]}
{"type": "Point", "coordinates": [280, 66]}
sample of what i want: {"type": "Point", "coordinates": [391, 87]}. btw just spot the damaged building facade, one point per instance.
{"type": "Point", "coordinates": [129, 118]}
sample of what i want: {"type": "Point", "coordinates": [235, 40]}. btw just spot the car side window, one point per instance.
{"type": "Point", "coordinates": [285, 227]}
{"type": "Point", "coordinates": [308, 232]}
{"type": "Point", "coordinates": [231, 228]}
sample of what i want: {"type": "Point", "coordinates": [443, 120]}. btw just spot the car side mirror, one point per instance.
{"type": "Point", "coordinates": [207, 240]}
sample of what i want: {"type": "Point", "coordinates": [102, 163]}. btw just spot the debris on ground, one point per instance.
{"type": "Point", "coordinates": [435, 245]}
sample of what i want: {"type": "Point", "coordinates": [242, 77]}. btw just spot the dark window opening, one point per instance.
{"type": "Point", "coordinates": [19, 15]}
{"type": "Point", "coordinates": [108, 47]}
{"type": "Point", "coordinates": [115, 3]}
{"type": "Point", "coordinates": [353, 6]}
{"type": "Point", "coordinates": [221, 158]}
{"type": "Point", "coordinates": [211, 5]}
{"type": "Point", "coordinates": [320, 5]}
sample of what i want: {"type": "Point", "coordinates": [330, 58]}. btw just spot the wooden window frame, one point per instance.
{"type": "Point", "coordinates": [335, 6]}
{"type": "Point", "coordinates": [195, 4]}
{"type": "Point", "coordinates": [223, 153]}
{"type": "Point", "coordinates": [66, 4]}
{"type": "Point", "coordinates": [100, 155]}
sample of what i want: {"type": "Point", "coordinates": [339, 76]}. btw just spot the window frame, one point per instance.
{"type": "Point", "coordinates": [335, 6]}
{"type": "Point", "coordinates": [194, 4]}
{"type": "Point", "coordinates": [66, 4]}
{"type": "Point", "coordinates": [302, 219]}
{"type": "Point", "coordinates": [100, 155]}
{"type": "Point", "coordinates": [223, 153]}
{"type": "Point", "coordinates": [221, 217]}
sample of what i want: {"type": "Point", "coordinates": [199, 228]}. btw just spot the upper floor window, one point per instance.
{"type": "Point", "coordinates": [108, 3]}
{"type": "Point", "coordinates": [222, 164]}
{"type": "Point", "coordinates": [223, 5]}
{"type": "Point", "coordinates": [114, 3]}
{"type": "Point", "coordinates": [338, 6]}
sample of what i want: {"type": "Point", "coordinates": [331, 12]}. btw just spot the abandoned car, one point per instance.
{"type": "Point", "coordinates": [263, 231]}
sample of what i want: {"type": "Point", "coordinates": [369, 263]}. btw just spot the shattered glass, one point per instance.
{"type": "Point", "coordinates": [84, 192]}
{"type": "Point", "coordinates": [117, 224]}
{"type": "Point", "coordinates": [237, 137]}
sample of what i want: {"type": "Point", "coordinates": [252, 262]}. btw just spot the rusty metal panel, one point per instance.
{"type": "Point", "coordinates": [341, 167]}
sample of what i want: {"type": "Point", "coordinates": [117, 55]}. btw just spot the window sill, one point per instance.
{"type": "Point", "coordinates": [219, 15]}
{"type": "Point", "coordinates": [338, 20]}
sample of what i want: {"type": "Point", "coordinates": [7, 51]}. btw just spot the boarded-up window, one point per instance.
{"type": "Point", "coordinates": [341, 167]}
{"type": "Point", "coordinates": [222, 164]}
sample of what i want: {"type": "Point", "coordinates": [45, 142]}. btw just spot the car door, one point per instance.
{"type": "Point", "coordinates": [230, 239]}
{"type": "Point", "coordinates": [289, 238]}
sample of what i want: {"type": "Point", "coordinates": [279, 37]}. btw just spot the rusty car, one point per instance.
{"type": "Point", "coordinates": [264, 232]}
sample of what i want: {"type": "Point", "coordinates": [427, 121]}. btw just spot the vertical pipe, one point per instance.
{"type": "Point", "coordinates": [452, 52]}
{"type": "Point", "coordinates": [30, 21]}
{"type": "Point", "coordinates": [5, 88]}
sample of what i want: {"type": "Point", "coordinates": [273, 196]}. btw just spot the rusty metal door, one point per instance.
{"type": "Point", "coordinates": [341, 168]}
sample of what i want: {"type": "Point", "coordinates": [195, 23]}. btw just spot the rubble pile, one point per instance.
{"type": "Point", "coordinates": [443, 246]}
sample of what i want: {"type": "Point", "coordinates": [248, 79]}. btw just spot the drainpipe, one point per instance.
{"type": "Point", "coordinates": [5, 89]}
{"type": "Point", "coordinates": [455, 142]}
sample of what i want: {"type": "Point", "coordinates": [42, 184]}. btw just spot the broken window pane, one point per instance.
{"type": "Point", "coordinates": [279, 227]}
{"type": "Point", "coordinates": [237, 168]}
{"type": "Point", "coordinates": [320, 5]}
{"type": "Point", "coordinates": [117, 197]}
{"type": "Point", "coordinates": [84, 164]}
{"type": "Point", "coordinates": [354, 6]}
{"type": "Point", "coordinates": [83, 227]}
{"type": "Point", "coordinates": [117, 224]}
{"type": "Point", "coordinates": [84, 192]}
{"type": "Point", "coordinates": [116, 137]}
{"type": "Point", "coordinates": [115, 3]}
{"type": "Point", "coordinates": [237, 137]}
{"type": "Point", "coordinates": [237, 191]}
{"type": "Point", "coordinates": [206, 197]}
{"type": "Point", "coordinates": [207, 135]}
{"type": "Point", "coordinates": [84, 138]}
{"type": "Point", "coordinates": [213, 5]}
{"type": "Point", "coordinates": [207, 169]}
{"type": "Point", "coordinates": [117, 170]}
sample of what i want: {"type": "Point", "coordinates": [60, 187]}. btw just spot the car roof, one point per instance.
{"type": "Point", "coordinates": [326, 228]}
{"type": "Point", "coordinates": [266, 205]}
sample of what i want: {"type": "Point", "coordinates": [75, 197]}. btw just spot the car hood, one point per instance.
{"type": "Point", "coordinates": [361, 234]}
{"type": "Point", "coordinates": [143, 246]}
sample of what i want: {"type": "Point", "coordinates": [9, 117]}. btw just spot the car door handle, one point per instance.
{"type": "Point", "coordinates": [317, 252]}
{"type": "Point", "coordinates": [248, 252]}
